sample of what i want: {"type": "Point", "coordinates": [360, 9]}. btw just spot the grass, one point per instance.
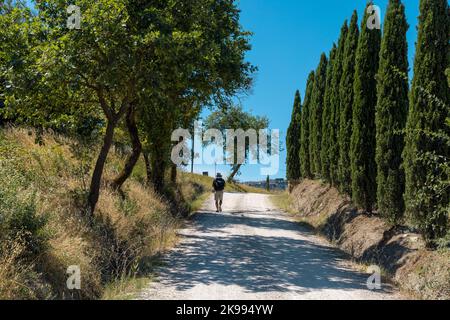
{"type": "Point", "coordinates": [128, 288]}
{"type": "Point", "coordinates": [248, 189]}
{"type": "Point", "coordinates": [42, 198]}
{"type": "Point", "coordinates": [125, 289]}
{"type": "Point", "coordinates": [283, 201]}
{"type": "Point", "coordinates": [197, 204]}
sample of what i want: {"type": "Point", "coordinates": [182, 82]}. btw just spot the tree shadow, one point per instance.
{"type": "Point", "coordinates": [256, 263]}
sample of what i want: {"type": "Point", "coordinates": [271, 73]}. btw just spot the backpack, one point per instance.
{"type": "Point", "coordinates": [219, 184]}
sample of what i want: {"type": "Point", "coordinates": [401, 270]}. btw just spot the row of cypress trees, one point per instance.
{"type": "Point", "coordinates": [365, 131]}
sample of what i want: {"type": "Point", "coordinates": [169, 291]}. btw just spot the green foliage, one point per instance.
{"type": "Point", "coordinates": [293, 141]}
{"type": "Point", "coordinates": [426, 152]}
{"type": "Point", "coordinates": [235, 118]}
{"type": "Point", "coordinates": [326, 118]}
{"type": "Point", "coordinates": [315, 125]}
{"type": "Point", "coordinates": [165, 60]}
{"type": "Point", "coordinates": [305, 162]}
{"type": "Point", "coordinates": [333, 127]}
{"type": "Point", "coordinates": [391, 113]}
{"type": "Point", "coordinates": [202, 64]}
{"type": "Point", "coordinates": [346, 97]}
{"type": "Point", "coordinates": [362, 148]}
{"type": "Point", "coordinates": [389, 151]}
{"type": "Point", "coordinates": [18, 36]}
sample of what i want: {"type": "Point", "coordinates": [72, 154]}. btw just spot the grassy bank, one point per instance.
{"type": "Point", "coordinates": [43, 230]}
{"type": "Point", "coordinates": [398, 251]}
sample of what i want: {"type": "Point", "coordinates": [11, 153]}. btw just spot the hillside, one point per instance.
{"type": "Point", "coordinates": [44, 231]}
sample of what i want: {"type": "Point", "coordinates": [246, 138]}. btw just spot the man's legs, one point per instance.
{"type": "Point", "coordinates": [220, 201]}
{"type": "Point", "coordinates": [216, 198]}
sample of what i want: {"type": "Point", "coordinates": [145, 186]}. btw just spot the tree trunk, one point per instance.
{"type": "Point", "coordinates": [158, 172]}
{"type": "Point", "coordinates": [158, 180]}
{"type": "Point", "coordinates": [193, 154]}
{"type": "Point", "coordinates": [136, 152]}
{"type": "Point", "coordinates": [94, 192]}
{"type": "Point", "coordinates": [148, 168]}
{"type": "Point", "coordinates": [234, 172]}
{"type": "Point", "coordinates": [173, 173]}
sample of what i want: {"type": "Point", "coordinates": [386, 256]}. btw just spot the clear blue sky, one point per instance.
{"type": "Point", "coordinates": [289, 37]}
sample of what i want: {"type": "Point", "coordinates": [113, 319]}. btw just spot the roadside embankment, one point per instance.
{"type": "Point", "coordinates": [399, 252]}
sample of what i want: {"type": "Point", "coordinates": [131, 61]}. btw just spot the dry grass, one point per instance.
{"type": "Point", "coordinates": [283, 201]}
{"type": "Point", "coordinates": [248, 189]}
{"type": "Point", "coordinates": [126, 230]}
{"type": "Point", "coordinates": [125, 289]}
{"type": "Point", "coordinates": [428, 275]}
{"type": "Point", "coordinates": [18, 278]}
{"type": "Point", "coordinates": [402, 255]}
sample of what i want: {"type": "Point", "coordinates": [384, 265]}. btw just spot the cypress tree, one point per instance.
{"type": "Point", "coordinates": [333, 152]}
{"type": "Point", "coordinates": [426, 149]}
{"type": "Point", "coordinates": [293, 142]}
{"type": "Point", "coordinates": [326, 117]}
{"type": "Point", "coordinates": [305, 164]}
{"type": "Point", "coordinates": [316, 115]}
{"type": "Point", "coordinates": [391, 113]}
{"type": "Point", "coordinates": [363, 142]}
{"type": "Point", "coordinates": [346, 104]}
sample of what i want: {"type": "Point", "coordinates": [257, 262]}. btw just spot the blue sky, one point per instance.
{"type": "Point", "coordinates": [289, 37]}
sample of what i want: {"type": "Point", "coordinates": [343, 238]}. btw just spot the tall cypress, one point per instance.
{"type": "Point", "coordinates": [326, 117]}
{"type": "Point", "coordinates": [293, 142]}
{"type": "Point", "coordinates": [426, 149]}
{"type": "Point", "coordinates": [333, 127]}
{"type": "Point", "coordinates": [316, 115]}
{"type": "Point", "coordinates": [346, 104]}
{"type": "Point", "coordinates": [305, 164]}
{"type": "Point", "coordinates": [363, 143]}
{"type": "Point", "coordinates": [391, 113]}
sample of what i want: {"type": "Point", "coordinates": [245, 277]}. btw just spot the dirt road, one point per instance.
{"type": "Point", "coordinates": [252, 251]}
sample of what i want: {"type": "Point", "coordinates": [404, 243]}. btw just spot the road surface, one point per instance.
{"type": "Point", "coordinates": [253, 251]}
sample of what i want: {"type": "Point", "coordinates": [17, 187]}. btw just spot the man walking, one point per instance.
{"type": "Point", "coordinates": [219, 187]}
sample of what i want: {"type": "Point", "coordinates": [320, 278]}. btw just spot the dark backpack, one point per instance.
{"type": "Point", "coordinates": [219, 184]}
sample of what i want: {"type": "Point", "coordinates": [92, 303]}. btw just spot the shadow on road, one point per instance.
{"type": "Point", "coordinates": [257, 263]}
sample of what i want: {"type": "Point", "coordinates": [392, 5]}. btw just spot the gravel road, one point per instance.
{"type": "Point", "coordinates": [253, 251]}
